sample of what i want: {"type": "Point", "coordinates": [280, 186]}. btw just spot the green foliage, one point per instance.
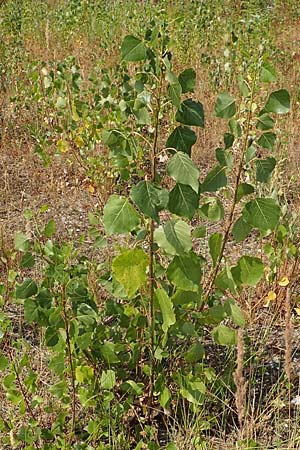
{"type": "Point", "coordinates": [118, 328]}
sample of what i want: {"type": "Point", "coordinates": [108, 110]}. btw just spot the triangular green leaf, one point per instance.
{"type": "Point", "coordinates": [182, 139]}
{"type": "Point", "coordinates": [278, 102]}
{"type": "Point", "coordinates": [225, 106]}
{"type": "Point", "coordinates": [248, 271]}
{"type": "Point", "coordinates": [27, 289]}
{"type": "Point", "coordinates": [268, 73]}
{"type": "Point", "coordinates": [262, 213]}
{"type": "Point", "coordinates": [212, 209]}
{"type": "Point", "coordinates": [214, 180]}
{"type": "Point", "coordinates": [22, 242]}
{"type": "Point", "coordinates": [183, 201]}
{"type": "Point", "coordinates": [133, 49]}
{"type": "Point", "coordinates": [187, 79]}
{"type": "Point", "coordinates": [224, 335]}
{"type": "Point", "coordinates": [267, 140]}
{"type": "Point", "coordinates": [240, 230]}
{"type": "Point", "coordinates": [244, 189]}
{"type": "Point", "coordinates": [174, 237]}
{"type": "Point", "coordinates": [119, 216]}
{"type": "Point", "coordinates": [182, 169]}
{"type": "Point", "coordinates": [265, 122]}
{"type": "Point", "coordinates": [191, 113]}
{"type": "Point", "coordinates": [130, 269]}
{"type": "Point", "coordinates": [147, 197]}
{"type": "Point", "coordinates": [264, 169]}
{"type": "Point", "coordinates": [185, 272]}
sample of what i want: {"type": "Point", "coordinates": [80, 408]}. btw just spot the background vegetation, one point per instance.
{"type": "Point", "coordinates": [149, 282]}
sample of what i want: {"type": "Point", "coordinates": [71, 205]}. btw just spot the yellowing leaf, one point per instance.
{"type": "Point", "coordinates": [297, 310]}
{"type": "Point", "coordinates": [79, 141]}
{"type": "Point", "coordinates": [62, 146]}
{"type": "Point", "coordinates": [270, 298]}
{"type": "Point", "coordinates": [283, 282]}
{"type": "Point", "coordinates": [90, 188]}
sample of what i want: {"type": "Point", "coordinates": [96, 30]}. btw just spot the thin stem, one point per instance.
{"type": "Point", "coordinates": [70, 358]}
{"type": "Point", "coordinates": [215, 271]}
{"type": "Point", "coordinates": [151, 238]}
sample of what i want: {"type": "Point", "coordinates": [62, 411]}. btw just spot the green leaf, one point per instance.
{"type": "Point", "coordinates": [240, 229]}
{"type": "Point", "coordinates": [31, 311]}
{"type": "Point", "coordinates": [59, 389]}
{"type": "Point", "coordinates": [119, 216]}
{"type": "Point", "coordinates": [3, 362]}
{"type": "Point", "coordinates": [174, 237]}
{"type": "Point", "coordinates": [27, 289]}
{"type": "Point", "coordinates": [248, 271]}
{"type": "Point", "coordinates": [223, 335]}
{"type": "Point", "coordinates": [21, 242]}
{"type": "Point", "coordinates": [200, 232]}
{"type": "Point", "coordinates": [164, 398]}
{"type": "Point", "coordinates": [49, 229]}
{"type": "Point", "coordinates": [84, 374]}
{"type": "Point", "coordinates": [267, 140]}
{"type": "Point", "coordinates": [183, 201]}
{"type": "Point", "coordinates": [51, 336]}
{"type": "Point", "coordinates": [278, 102]}
{"type": "Point", "coordinates": [191, 113]}
{"type": "Point", "coordinates": [243, 86]}
{"type": "Point", "coordinates": [57, 364]}
{"type": "Point", "coordinates": [195, 353]}
{"type": "Point", "coordinates": [250, 153]}
{"type": "Point", "coordinates": [108, 379]}
{"type": "Point", "coordinates": [225, 281]}
{"type": "Point", "coordinates": [187, 79]}
{"type": "Point", "coordinates": [61, 102]}
{"type": "Point", "coordinates": [185, 272]}
{"type": "Point", "coordinates": [214, 180]}
{"type": "Point", "coordinates": [130, 269]}
{"type": "Point", "coordinates": [212, 209]}
{"type": "Point", "coordinates": [264, 169]}
{"type": "Point", "coordinates": [182, 169]}
{"type": "Point", "coordinates": [262, 213]}
{"type": "Point", "coordinates": [27, 261]}
{"type": "Point", "coordinates": [215, 245]}
{"type": "Point", "coordinates": [225, 106]}
{"type": "Point", "coordinates": [171, 446]}
{"type": "Point", "coordinates": [265, 122]}
{"type": "Point", "coordinates": [228, 140]}
{"type": "Point", "coordinates": [108, 353]}
{"type": "Point", "coordinates": [235, 127]}
{"type": "Point", "coordinates": [143, 116]}
{"type": "Point", "coordinates": [133, 49]}
{"type": "Point", "coordinates": [268, 73]}
{"type": "Point", "coordinates": [166, 307]}
{"type": "Point", "coordinates": [182, 139]}
{"type": "Point", "coordinates": [174, 92]}
{"type": "Point", "coordinates": [243, 190]}
{"type": "Point", "coordinates": [147, 197]}
{"type": "Point", "coordinates": [181, 297]}
{"type": "Point", "coordinates": [234, 312]}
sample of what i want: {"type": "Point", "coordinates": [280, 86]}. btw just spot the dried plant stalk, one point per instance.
{"type": "Point", "coordinates": [288, 336]}
{"type": "Point", "coordinates": [240, 383]}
